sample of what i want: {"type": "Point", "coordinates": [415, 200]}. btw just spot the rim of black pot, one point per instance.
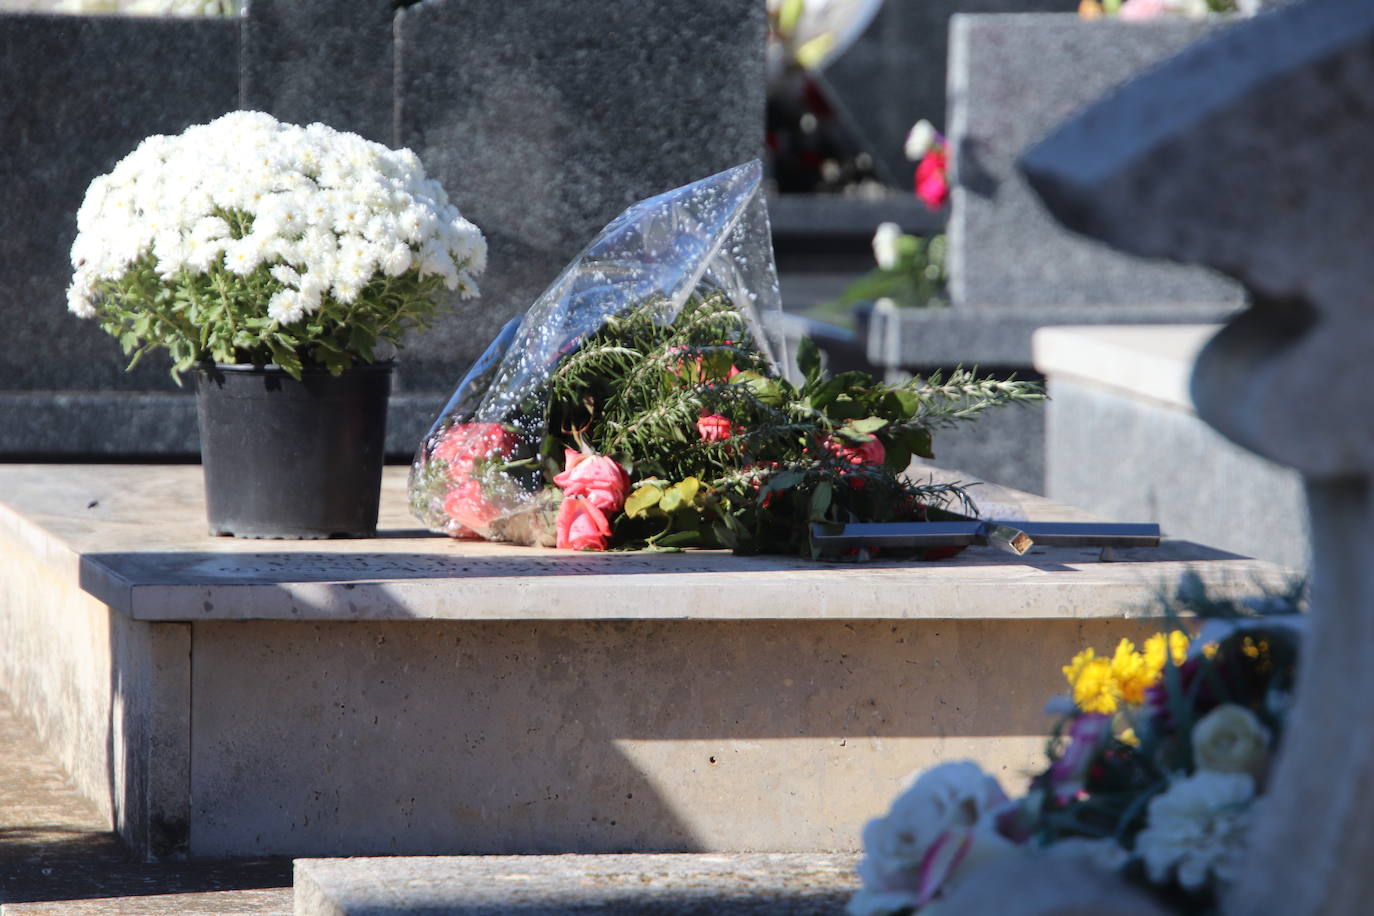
{"type": "Point", "coordinates": [206, 365]}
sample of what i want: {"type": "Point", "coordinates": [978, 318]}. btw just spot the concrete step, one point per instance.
{"type": "Point", "coordinates": [607, 885]}
{"type": "Point", "coordinates": [58, 854]}
{"type": "Point", "coordinates": [261, 902]}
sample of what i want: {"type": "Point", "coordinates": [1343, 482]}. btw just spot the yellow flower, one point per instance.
{"type": "Point", "coordinates": [1076, 666]}
{"type": "Point", "coordinates": [1129, 737]}
{"type": "Point", "coordinates": [1130, 672]}
{"type": "Point", "coordinates": [1094, 687]}
{"type": "Point", "coordinates": [1155, 648]}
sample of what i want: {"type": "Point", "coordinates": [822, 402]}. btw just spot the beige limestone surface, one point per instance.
{"type": "Point", "coordinates": [135, 537]}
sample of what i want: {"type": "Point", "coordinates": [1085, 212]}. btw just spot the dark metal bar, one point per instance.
{"type": "Point", "coordinates": [1014, 537]}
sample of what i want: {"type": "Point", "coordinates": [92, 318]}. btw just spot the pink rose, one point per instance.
{"type": "Point", "coordinates": [932, 178]}
{"type": "Point", "coordinates": [581, 525]}
{"type": "Point", "coordinates": [1140, 10]}
{"type": "Point", "coordinates": [467, 505]}
{"type": "Point", "coordinates": [714, 428]}
{"type": "Point", "coordinates": [464, 443]}
{"type": "Point", "coordinates": [871, 452]}
{"type": "Point", "coordinates": [597, 477]}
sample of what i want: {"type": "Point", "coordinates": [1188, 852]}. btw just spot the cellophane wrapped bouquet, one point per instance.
{"type": "Point", "coordinates": [648, 400]}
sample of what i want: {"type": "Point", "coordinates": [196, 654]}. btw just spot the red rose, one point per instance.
{"type": "Point", "coordinates": [871, 452]}
{"type": "Point", "coordinates": [464, 443]}
{"type": "Point", "coordinates": [932, 179]}
{"type": "Point", "coordinates": [581, 525]}
{"type": "Point", "coordinates": [597, 477]}
{"type": "Point", "coordinates": [714, 428]}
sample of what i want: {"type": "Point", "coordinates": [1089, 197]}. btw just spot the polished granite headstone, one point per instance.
{"type": "Point", "coordinates": [545, 119]}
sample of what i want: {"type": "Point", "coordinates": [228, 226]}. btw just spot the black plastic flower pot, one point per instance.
{"type": "Point", "coordinates": [292, 459]}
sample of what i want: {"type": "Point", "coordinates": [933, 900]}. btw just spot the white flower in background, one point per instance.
{"type": "Point", "coordinates": [319, 212]}
{"type": "Point", "coordinates": [1198, 828]}
{"type": "Point", "coordinates": [941, 826]}
{"type": "Point", "coordinates": [1231, 739]}
{"type": "Point", "coordinates": [919, 140]}
{"type": "Point", "coordinates": [885, 245]}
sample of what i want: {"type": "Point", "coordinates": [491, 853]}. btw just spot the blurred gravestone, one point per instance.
{"type": "Point", "coordinates": [893, 74]}
{"type": "Point", "coordinates": [1011, 79]}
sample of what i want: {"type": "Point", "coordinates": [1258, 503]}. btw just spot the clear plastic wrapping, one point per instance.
{"type": "Point", "coordinates": [477, 473]}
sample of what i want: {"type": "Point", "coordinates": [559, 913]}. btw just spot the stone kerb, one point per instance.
{"type": "Point", "coordinates": [1123, 440]}
{"type": "Point", "coordinates": [80, 92]}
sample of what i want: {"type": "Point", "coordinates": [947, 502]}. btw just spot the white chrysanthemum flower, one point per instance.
{"type": "Point", "coordinates": [319, 214]}
{"type": "Point", "coordinates": [397, 260]}
{"type": "Point", "coordinates": [286, 306]}
{"type": "Point", "coordinates": [1198, 829]}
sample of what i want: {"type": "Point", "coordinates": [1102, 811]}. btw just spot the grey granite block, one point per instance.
{"type": "Point", "coordinates": [1012, 78]}
{"type": "Point", "coordinates": [894, 73]}
{"type": "Point", "coordinates": [912, 338]}
{"type": "Point", "coordinates": [321, 60]}
{"type": "Point", "coordinates": [545, 119]}
{"type": "Point", "coordinates": [86, 425]}
{"type": "Point", "coordinates": [79, 94]}
{"type": "Point", "coordinates": [666, 885]}
{"type": "Point", "coordinates": [1136, 460]}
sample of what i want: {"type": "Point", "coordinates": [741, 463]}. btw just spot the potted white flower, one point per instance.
{"type": "Point", "coordinates": [276, 261]}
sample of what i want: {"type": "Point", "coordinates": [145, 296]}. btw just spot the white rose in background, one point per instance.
{"type": "Point", "coordinates": [885, 249]}
{"type": "Point", "coordinates": [1198, 828]}
{"type": "Point", "coordinates": [938, 829]}
{"type": "Point", "coordinates": [1231, 739]}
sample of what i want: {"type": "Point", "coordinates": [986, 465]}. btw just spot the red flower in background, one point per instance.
{"type": "Point", "coordinates": [871, 452]}
{"type": "Point", "coordinates": [932, 177]}
{"type": "Point", "coordinates": [464, 443]}
{"type": "Point", "coordinates": [714, 428]}
{"type": "Point", "coordinates": [461, 447]}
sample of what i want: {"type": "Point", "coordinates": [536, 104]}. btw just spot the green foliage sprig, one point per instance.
{"type": "Point", "coordinates": [783, 455]}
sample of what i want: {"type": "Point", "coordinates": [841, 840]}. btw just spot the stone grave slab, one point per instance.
{"type": "Point", "coordinates": [668, 885]}
{"type": "Point", "coordinates": [412, 694]}
{"type": "Point", "coordinates": [1011, 79]}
